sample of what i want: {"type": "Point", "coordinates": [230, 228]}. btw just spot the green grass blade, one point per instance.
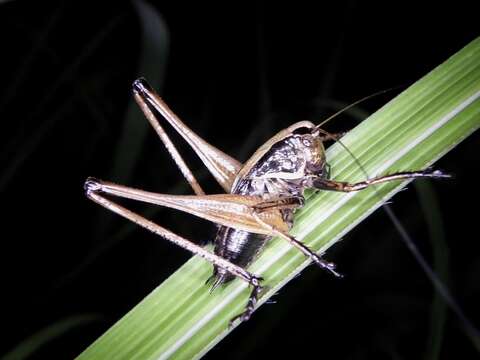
{"type": "Point", "coordinates": [152, 64]}
{"type": "Point", "coordinates": [30, 345]}
{"type": "Point", "coordinates": [433, 217]}
{"type": "Point", "coordinates": [181, 319]}
{"type": "Point", "coordinates": [154, 50]}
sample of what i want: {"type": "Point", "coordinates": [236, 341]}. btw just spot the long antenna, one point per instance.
{"type": "Point", "coordinates": [356, 103]}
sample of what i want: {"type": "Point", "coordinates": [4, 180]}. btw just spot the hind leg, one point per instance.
{"type": "Point", "coordinates": [251, 303]}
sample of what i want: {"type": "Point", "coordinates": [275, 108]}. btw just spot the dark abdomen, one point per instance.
{"type": "Point", "coordinates": [241, 247]}
{"type": "Point", "coordinates": [237, 246]}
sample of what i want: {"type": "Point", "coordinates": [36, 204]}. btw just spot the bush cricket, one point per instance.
{"type": "Point", "coordinates": [260, 197]}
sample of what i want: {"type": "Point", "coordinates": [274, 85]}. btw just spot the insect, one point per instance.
{"type": "Point", "coordinates": [261, 195]}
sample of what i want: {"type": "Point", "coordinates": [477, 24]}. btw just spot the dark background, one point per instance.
{"type": "Point", "coordinates": [236, 73]}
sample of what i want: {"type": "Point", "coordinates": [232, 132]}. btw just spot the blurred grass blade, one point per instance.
{"type": "Point", "coordinates": [431, 210]}
{"type": "Point", "coordinates": [152, 64]}
{"type": "Point", "coordinates": [31, 344]}
{"type": "Point", "coordinates": [32, 141]}
{"type": "Point", "coordinates": [182, 319]}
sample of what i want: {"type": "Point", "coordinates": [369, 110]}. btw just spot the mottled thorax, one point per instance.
{"type": "Point", "coordinates": [285, 169]}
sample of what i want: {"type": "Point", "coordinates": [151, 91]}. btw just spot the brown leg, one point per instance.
{"type": "Point", "coordinates": [93, 190]}
{"type": "Point", "coordinates": [222, 166]}
{"type": "Point", "coordinates": [251, 303]}
{"type": "Point", "coordinates": [229, 210]}
{"type": "Point", "coordinates": [332, 185]}
{"type": "Point", "coordinates": [299, 245]}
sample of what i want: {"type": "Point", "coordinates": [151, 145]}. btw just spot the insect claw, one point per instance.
{"type": "Point", "coordinates": [337, 274]}
{"type": "Point", "coordinates": [245, 316]}
{"type": "Point", "coordinates": [440, 174]}
{"type": "Point", "coordinates": [330, 266]}
{"type": "Point", "coordinates": [436, 173]}
{"type": "Point", "coordinates": [252, 301]}
{"type": "Point", "coordinates": [141, 86]}
{"type": "Point", "coordinates": [92, 185]}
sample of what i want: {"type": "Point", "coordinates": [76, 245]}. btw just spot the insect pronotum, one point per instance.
{"type": "Point", "coordinates": [261, 195]}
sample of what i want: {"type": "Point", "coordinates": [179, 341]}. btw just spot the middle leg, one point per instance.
{"type": "Point", "coordinates": [298, 244]}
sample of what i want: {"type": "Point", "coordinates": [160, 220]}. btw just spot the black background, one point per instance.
{"type": "Point", "coordinates": [236, 73]}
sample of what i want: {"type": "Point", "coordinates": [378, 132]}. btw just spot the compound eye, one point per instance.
{"type": "Point", "coordinates": [307, 141]}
